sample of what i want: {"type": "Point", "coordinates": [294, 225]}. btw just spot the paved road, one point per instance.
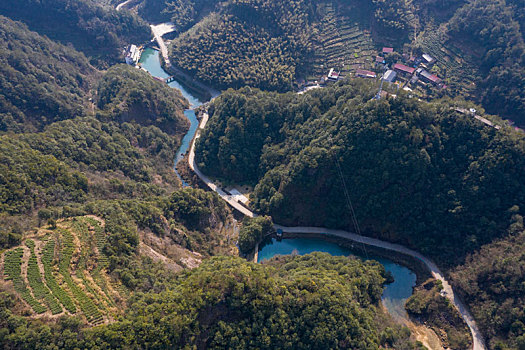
{"type": "Point", "coordinates": [478, 117]}
{"type": "Point", "coordinates": [122, 4]}
{"type": "Point", "coordinates": [193, 166]}
{"type": "Point", "coordinates": [479, 343]}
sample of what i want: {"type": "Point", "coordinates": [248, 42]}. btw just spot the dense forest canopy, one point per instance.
{"type": "Point", "coordinates": [127, 94]}
{"type": "Point", "coordinates": [493, 283]}
{"type": "Point", "coordinates": [40, 81]}
{"type": "Point", "coordinates": [258, 43]}
{"type": "Point", "coordinates": [489, 30]}
{"type": "Point", "coordinates": [100, 32]}
{"type": "Point", "coordinates": [417, 173]}
{"type": "Point", "coordinates": [314, 301]}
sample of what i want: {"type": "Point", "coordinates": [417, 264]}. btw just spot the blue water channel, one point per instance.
{"type": "Point", "coordinates": [394, 295]}
{"type": "Point", "coordinates": [150, 61]}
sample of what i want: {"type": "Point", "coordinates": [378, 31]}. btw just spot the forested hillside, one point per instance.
{"type": "Point", "coordinates": [99, 31]}
{"type": "Point", "coordinates": [489, 34]}
{"type": "Point", "coordinates": [54, 155]}
{"type": "Point", "coordinates": [417, 173]}
{"type": "Point", "coordinates": [182, 13]}
{"type": "Point", "coordinates": [127, 94]}
{"type": "Point", "coordinates": [259, 43]}
{"type": "Point", "coordinates": [40, 81]}
{"type": "Point", "coordinates": [493, 283]}
{"type": "Point", "coordinates": [296, 303]}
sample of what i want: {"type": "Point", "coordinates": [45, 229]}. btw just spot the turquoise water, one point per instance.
{"type": "Point", "coordinates": [150, 61]}
{"type": "Point", "coordinates": [395, 294]}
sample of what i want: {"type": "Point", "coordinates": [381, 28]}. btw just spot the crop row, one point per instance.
{"type": "Point", "coordinates": [99, 239]}
{"type": "Point", "coordinates": [40, 290]}
{"type": "Point", "coordinates": [13, 272]}
{"type": "Point", "coordinates": [86, 304]}
{"type": "Point", "coordinates": [47, 260]}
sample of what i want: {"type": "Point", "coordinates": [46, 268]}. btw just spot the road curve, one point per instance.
{"type": "Point", "coordinates": [122, 4]}
{"type": "Point", "coordinates": [478, 342]}
{"type": "Point", "coordinates": [193, 166]}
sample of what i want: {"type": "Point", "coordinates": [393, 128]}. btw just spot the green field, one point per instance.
{"type": "Point", "coordinates": [65, 271]}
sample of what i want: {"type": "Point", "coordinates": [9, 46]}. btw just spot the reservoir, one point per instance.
{"type": "Point", "coordinates": [394, 295]}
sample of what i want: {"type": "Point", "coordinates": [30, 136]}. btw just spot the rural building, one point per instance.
{"type": "Point", "coordinates": [389, 76]}
{"type": "Point", "coordinates": [380, 60]}
{"type": "Point", "coordinates": [132, 55]}
{"type": "Point", "coordinates": [365, 73]}
{"type": "Point", "coordinates": [403, 70]}
{"type": "Point", "coordinates": [428, 59]}
{"type": "Point", "coordinates": [387, 50]}
{"type": "Point", "coordinates": [333, 75]}
{"type": "Point", "coordinates": [428, 77]}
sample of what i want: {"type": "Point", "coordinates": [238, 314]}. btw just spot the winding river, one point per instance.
{"type": "Point", "coordinates": [394, 295]}
{"type": "Point", "coordinates": [150, 61]}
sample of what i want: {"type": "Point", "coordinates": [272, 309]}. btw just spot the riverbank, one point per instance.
{"type": "Point", "coordinates": [420, 270]}
{"type": "Point", "coordinates": [197, 88]}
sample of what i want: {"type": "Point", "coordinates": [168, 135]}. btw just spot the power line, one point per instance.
{"type": "Point", "coordinates": [349, 203]}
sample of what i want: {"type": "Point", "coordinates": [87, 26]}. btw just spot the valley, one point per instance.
{"type": "Point", "coordinates": [135, 196]}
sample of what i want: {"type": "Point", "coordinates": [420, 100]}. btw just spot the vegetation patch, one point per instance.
{"type": "Point", "coordinates": [430, 307]}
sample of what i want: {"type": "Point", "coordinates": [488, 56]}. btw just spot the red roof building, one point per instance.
{"type": "Point", "coordinates": [388, 49]}
{"type": "Point", "coordinates": [430, 78]}
{"type": "Point", "coordinates": [401, 68]}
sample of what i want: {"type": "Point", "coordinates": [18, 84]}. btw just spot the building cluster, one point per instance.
{"type": "Point", "coordinates": [412, 71]}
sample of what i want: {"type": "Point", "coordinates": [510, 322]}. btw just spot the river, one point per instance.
{"type": "Point", "coordinates": [150, 61]}
{"type": "Point", "coordinates": [394, 295]}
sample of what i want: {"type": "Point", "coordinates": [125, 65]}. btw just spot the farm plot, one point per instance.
{"type": "Point", "coordinates": [40, 290]}
{"type": "Point", "coordinates": [87, 306]}
{"type": "Point", "coordinates": [13, 272]}
{"type": "Point", "coordinates": [66, 271]}
{"type": "Point", "coordinates": [340, 44]}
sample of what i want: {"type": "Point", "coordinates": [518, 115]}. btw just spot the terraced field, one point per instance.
{"type": "Point", "coordinates": [458, 69]}
{"type": "Point", "coordinates": [65, 271]}
{"type": "Point", "coordinates": [340, 44]}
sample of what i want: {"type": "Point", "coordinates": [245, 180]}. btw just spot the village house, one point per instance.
{"type": "Point", "coordinates": [430, 78]}
{"type": "Point", "coordinates": [380, 60]}
{"type": "Point", "coordinates": [333, 75]}
{"type": "Point", "coordinates": [403, 70]}
{"type": "Point", "coordinates": [132, 55]}
{"type": "Point", "coordinates": [389, 76]}
{"type": "Point", "coordinates": [387, 50]}
{"type": "Point", "coordinates": [429, 60]}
